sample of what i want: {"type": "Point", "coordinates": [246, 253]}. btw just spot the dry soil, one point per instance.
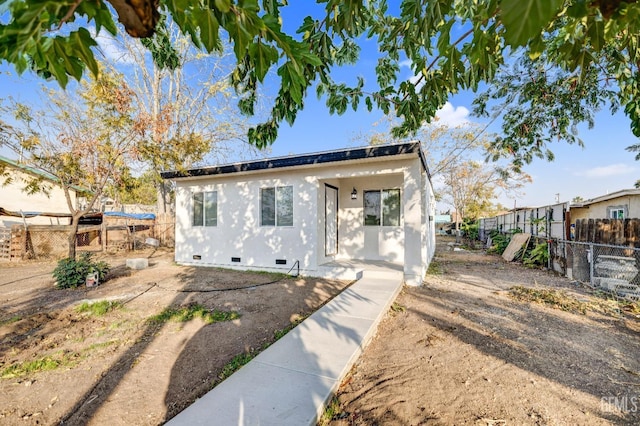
{"type": "Point", "coordinates": [121, 369]}
{"type": "Point", "coordinates": [460, 351]}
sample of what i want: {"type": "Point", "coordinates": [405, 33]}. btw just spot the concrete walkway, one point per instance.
{"type": "Point", "coordinates": [290, 382]}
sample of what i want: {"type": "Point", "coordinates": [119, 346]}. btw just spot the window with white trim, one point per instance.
{"type": "Point", "coordinates": [616, 213]}
{"type": "Point", "coordinates": [276, 206]}
{"type": "Point", "coordinates": [205, 209]}
{"type": "Point", "coordinates": [382, 207]}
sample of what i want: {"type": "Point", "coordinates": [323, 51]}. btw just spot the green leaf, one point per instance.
{"type": "Point", "coordinates": [223, 5]}
{"type": "Point", "coordinates": [525, 19]}
{"type": "Point", "coordinates": [209, 27]}
{"type": "Point", "coordinates": [263, 56]}
{"type": "Point", "coordinates": [596, 34]}
{"type": "Point", "coordinates": [369, 104]}
{"type": "Point", "coordinates": [81, 41]}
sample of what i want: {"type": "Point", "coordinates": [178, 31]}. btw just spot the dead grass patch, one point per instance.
{"type": "Point", "coordinates": [559, 299]}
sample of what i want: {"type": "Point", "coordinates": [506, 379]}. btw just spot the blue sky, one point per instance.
{"type": "Point", "coordinates": [601, 166]}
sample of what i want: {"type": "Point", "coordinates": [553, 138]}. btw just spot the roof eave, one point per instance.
{"type": "Point", "coordinates": [380, 151]}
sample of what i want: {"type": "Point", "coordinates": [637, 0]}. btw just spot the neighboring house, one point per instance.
{"type": "Point", "coordinates": [13, 197]}
{"type": "Point", "coordinates": [623, 204]}
{"type": "Point", "coordinates": [373, 203]}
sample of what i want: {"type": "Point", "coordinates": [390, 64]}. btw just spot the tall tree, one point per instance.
{"type": "Point", "coordinates": [186, 98]}
{"type": "Point", "coordinates": [443, 145]}
{"type": "Point", "coordinates": [82, 140]}
{"type": "Point", "coordinates": [451, 45]}
{"type": "Point", "coordinates": [472, 185]}
{"type": "Point", "coordinates": [540, 104]}
{"type": "Point", "coordinates": [468, 185]}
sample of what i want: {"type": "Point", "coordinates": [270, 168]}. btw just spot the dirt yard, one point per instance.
{"type": "Point", "coordinates": [461, 350]}
{"type": "Point", "coordinates": [61, 366]}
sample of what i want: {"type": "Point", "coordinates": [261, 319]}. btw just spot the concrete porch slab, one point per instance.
{"type": "Point", "coordinates": [349, 269]}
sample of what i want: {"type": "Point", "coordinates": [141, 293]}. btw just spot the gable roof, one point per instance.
{"type": "Point", "coordinates": [38, 173]}
{"type": "Point", "coordinates": [31, 170]}
{"type": "Point", "coordinates": [607, 197]}
{"type": "Point", "coordinates": [347, 154]}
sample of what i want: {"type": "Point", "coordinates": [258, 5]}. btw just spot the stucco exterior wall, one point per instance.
{"type": "Point", "coordinates": [357, 241]}
{"type": "Point", "coordinates": [239, 233]}
{"type": "Point", "coordinates": [13, 198]}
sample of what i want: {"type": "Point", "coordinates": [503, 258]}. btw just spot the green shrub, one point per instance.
{"type": "Point", "coordinates": [538, 256]}
{"type": "Point", "coordinates": [499, 242]}
{"type": "Point", "coordinates": [471, 230]}
{"type": "Point", "coordinates": [72, 273]}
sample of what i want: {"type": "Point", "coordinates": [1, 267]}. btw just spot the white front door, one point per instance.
{"type": "Point", "coordinates": [330, 220]}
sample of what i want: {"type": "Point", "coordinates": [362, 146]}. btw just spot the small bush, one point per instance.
{"type": "Point", "coordinates": [23, 368]}
{"type": "Point", "coordinates": [538, 256]}
{"type": "Point", "coordinates": [332, 411]}
{"type": "Point", "coordinates": [72, 273]}
{"type": "Point", "coordinates": [555, 298]}
{"type": "Point", "coordinates": [47, 363]}
{"type": "Point", "coordinates": [499, 242]}
{"type": "Point", "coordinates": [471, 230]}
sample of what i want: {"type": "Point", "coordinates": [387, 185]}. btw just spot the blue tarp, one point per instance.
{"type": "Point", "coordinates": [148, 216]}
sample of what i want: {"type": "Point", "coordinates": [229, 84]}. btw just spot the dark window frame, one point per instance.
{"type": "Point", "coordinates": [386, 215]}
{"type": "Point", "coordinates": [204, 210]}
{"type": "Point", "coordinates": [279, 213]}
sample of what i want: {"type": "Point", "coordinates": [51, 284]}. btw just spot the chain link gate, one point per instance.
{"type": "Point", "coordinates": [615, 269]}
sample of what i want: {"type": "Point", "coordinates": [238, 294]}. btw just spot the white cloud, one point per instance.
{"type": "Point", "coordinates": [451, 116]}
{"type": "Point", "coordinates": [607, 171]}
{"type": "Point", "coordinates": [448, 115]}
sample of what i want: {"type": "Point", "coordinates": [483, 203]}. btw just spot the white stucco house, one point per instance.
{"type": "Point", "coordinates": [320, 209]}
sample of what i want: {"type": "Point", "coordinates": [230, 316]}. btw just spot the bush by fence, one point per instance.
{"type": "Point", "coordinates": [544, 222]}
{"type": "Point", "coordinates": [604, 253]}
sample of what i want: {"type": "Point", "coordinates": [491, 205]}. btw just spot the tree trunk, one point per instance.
{"type": "Point", "coordinates": [72, 237]}
{"type": "Point", "coordinates": [161, 203]}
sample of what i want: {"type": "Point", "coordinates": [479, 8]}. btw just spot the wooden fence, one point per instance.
{"type": "Point", "coordinates": [618, 232]}
{"type": "Point", "coordinates": [51, 241]}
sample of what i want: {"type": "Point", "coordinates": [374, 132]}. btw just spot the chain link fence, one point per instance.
{"type": "Point", "coordinates": [5, 243]}
{"type": "Point", "coordinates": [52, 241]}
{"type": "Point", "coordinates": [615, 269]}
